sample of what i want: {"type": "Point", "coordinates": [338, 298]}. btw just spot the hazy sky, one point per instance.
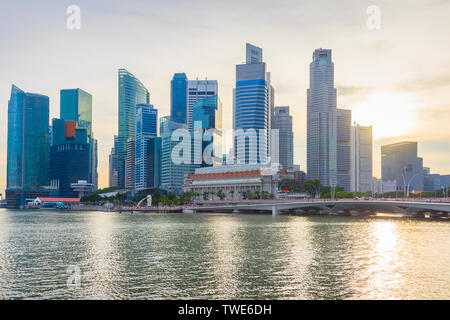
{"type": "Point", "coordinates": [396, 78]}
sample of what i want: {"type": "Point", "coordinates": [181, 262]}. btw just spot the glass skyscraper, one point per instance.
{"type": "Point", "coordinates": [343, 148]}
{"type": "Point", "coordinates": [198, 90]}
{"type": "Point", "coordinates": [146, 129]}
{"type": "Point", "coordinates": [131, 93]}
{"type": "Point", "coordinates": [282, 121]}
{"type": "Point", "coordinates": [28, 140]}
{"type": "Point", "coordinates": [76, 105]}
{"type": "Point", "coordinates": [321, 120]}
{"type": "Point", "coordinates": [178, 98]}
{"type": "Point", "coordinates": [251, 109]}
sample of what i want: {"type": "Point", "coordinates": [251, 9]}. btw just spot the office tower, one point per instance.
{"type": "Point", "coordinates": [69, 156]}
{"type": "Point", "coordinates": [76, 105]}
{"type": "Point", "coordinates": [172, 173]}
{"type": "Point", "coordinates": [343, 148]}
{"type": "Point", "coordinates": [28, 140]}
{"type": "Point", "coordinates": [131, 93]}
{"type": "Point", "coordinates": [130, 164]}
{"type": "Point", "coordinates": [362, 149]}
{"type": "Point", "coordinates": [400, 163]}
{"type": "Point", "coordinates": [178, 98]}
{"type": "Point", "coordinates": [198, 90]}
{"type": "Point", "coordinates": [154, 162]}
{"type": "Point", "coordinates": [321, 120]}
{"type": "Point", "coordinates": [251, 117]}
{"type": "Point", "coordinates": [146, 129]}
{"type": "Point", "coordinates": [282, 121]}
{"type": "Point", "coordinates": [207, 140]}
{"type": "Point", "coordinates": [113, 165]}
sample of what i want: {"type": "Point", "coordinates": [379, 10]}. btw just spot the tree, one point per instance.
{"type": "Point", "coordinates": [313, 187]}
{"type": "Point", "coordinates": [221, 195]}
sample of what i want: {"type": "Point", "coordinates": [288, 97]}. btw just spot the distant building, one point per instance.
{"type": "Point", "coordinates": [198, 90]}
{"type": "Point", "coordinates": [113, 165]}
{"type": "Point", "coordinates": [321, 120]}
{"type": "Point", "coordinates": [282, 121]}
{"type": "Point", "coordinates": [362, 150]}
{"type": "Point", "coordinates": [178, 98]}
{"type": "Point", "coordinates": [18, 198]}
{"type": "Point", "coordinates": [76, 105]}
{"type": "Point", "coordinates": [131, 93]}
{"type": "Point", "coordinates": [232, 180]}
{"type": "Point", "coordinates": [207, 136]}
{"type": "Point", "coordinates": [130, 164]}
{"type": "Point", "coordinates": [154, 150]}
{"type": "Point", "coordinates": [172, 173]}
{"type": "Point", "coordinates": [300, 176]}
{"type": "Point", "coordinates": [399, 162]}
{"type": "Point", "coordinates": [343, 145]}
{"type": "Point", "coordinates": [251, 109]}
{"type": "Point", "coordinates": [69, 156]}
{"type": "Point", "coordinates": [146, 129]}
{"type": "Point", "coordinates": [379, 186]}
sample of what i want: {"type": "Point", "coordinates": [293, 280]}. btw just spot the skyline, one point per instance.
{"type": "Point", "coordinates": [363, 84]}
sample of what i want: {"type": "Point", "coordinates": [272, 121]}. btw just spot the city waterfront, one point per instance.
{"type": "Point", "coordinates": [220, 256]}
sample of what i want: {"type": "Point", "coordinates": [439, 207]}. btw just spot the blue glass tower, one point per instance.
{"type": "Point", "coordinates": [178, 98]}
{"type": "Point", "coordinates": [251, 109]}
{"type": "Point", "coordinates": [76, 105]}
{"type": "Point", "coordinates": [208, 118]}
{"type": "Point", "coordinates": [131, 93]}
{"type": "Point", "coordinates": [28, 140]}
{"type": "Point", "coordinates": [146, 129]}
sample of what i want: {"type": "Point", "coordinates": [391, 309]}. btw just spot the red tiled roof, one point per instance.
{"type": "Point", "coordinates": [225, 174]}
{"type": "Point", "coordinates": [59, 199]}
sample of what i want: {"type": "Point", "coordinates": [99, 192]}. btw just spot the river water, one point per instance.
{"type": "Point", "coordinates": [96, 255]}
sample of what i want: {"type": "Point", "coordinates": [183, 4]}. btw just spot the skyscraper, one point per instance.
{"type": "Point", "coordinates": [321, 120]}
{"type": "Point", "coordinates": [113, 168]}
{"type": "Point", "coordinates": [362, 149]}
{"type": "Point", "coordinates": [130, 164]}
{"type": "Point", "coordinates": [400, 163]}
{"type": "Point", "coordinates": [207, 137]}
{"type": "Point", "coordinates": [69, 156]}
{"type": "Point", "coordinates": [172, 173]}
{"type": "Point", "coordinates": [178, 98]}
{"type": "Point", "coordinates": [343, 148]}
{"type": "Point", "coordinates": [198, 90]}
{"type": "Point", "coordinates": [282, 122]}
{"type": "Point", "coordinates": [131, 93]}
{"type": "Point", "coordinates": [146, 129]}
{"type": "Point", "coordinates": [28, 140]}
{"type": "Point", "coordinates": [251, 117]}
{"type": "Point", "coordinates": [76, 105]}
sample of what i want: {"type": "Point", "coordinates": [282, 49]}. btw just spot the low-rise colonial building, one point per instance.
{"type": "Point", "coordinates": [232, 180]}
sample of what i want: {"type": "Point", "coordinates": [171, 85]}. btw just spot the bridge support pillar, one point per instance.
{"type": "Point", "coordinates": [275, 211]}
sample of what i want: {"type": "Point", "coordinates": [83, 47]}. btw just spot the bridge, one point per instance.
{"type": "Point", "coordinates": [413, 208]}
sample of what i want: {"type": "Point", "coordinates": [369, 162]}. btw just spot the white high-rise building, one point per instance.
{"type": "Point", "coordinates": [198, 90]}
{"type": "Point", "coordinates": [362, 153]}
{"type": "Point", "coordinates": [322, 123]}
{"type": "Point", "coordinates": [282, 121]}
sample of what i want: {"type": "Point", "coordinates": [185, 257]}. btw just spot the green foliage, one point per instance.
{"type": "Point", "coordinates": [291, 185]}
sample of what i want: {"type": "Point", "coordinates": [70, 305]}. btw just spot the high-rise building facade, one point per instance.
{"type": "Point", "coordinates": [146, 129]}
{"type": "Point", "coordinates": [251, 109]}
{"type": "Point", "coordinates": [321, 120]}
{"type": "Point", "coordinates": [400, 163]}
{"type": "Point", "coordinates": [69, 156]}
{"type": "Point", "coordinates": [178, 98]}
{"type": "Point", "coordinates": [76, 105]}
{"type": "Point", "coordinates": [28, 140]}
{"type": "Point", "coordinates": [207, 134]}
{"type": "Point", "coordinates": [154, 162]}
{"type": "Point", "coordinates": [131, 93]}
{"type": "Point", "coordinates": [172, 171]}
{"type": "Point", "coordinates": [113, 165]}
{"type": "Point", "coordinates": [362, 158]}
{"type": "Point", "coordinates": [198, 90]}
{"type": "Point", "coordinates": [130, 164]}
{"type": "Point", "coordinates": [282, 121]}
{"type": "Point", "coordinates": [343, 148]}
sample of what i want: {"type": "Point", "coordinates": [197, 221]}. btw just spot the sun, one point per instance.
{"type": "Point", "coordinates": [390, 113]}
